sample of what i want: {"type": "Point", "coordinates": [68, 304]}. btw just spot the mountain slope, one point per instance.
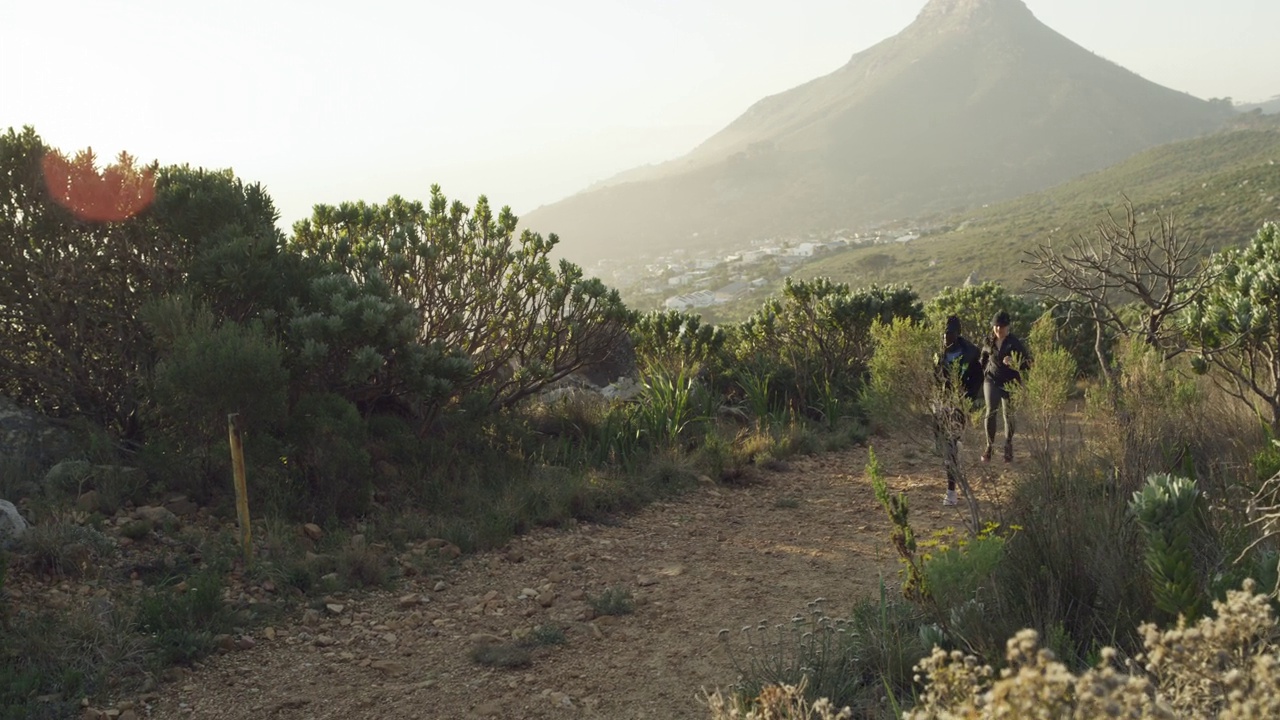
{"type": "Point", "coordinates": [1218, 189]}
{"type": "Point", "coordinates": [976, 100]}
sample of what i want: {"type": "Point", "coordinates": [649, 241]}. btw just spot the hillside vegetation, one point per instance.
{"type": "Point", "coordinates": [412, 381]}
{"type": "Point", "coordinates": [1218, 188]}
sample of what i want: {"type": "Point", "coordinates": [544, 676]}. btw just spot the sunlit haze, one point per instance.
{"type": "Point", "coordinates": [526, 102]}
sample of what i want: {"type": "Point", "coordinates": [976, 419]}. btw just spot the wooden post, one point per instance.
{"type": "Point", "coordinates": [242, 492]}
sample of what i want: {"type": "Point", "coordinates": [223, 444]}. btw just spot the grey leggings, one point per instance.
{"type": "Point", "coordinates": [994, 394]}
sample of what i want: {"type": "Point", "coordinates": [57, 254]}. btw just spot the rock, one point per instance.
{"type": "Point", "coordinates": [244, 642]}
{"type": "Point", "coordinates": [493, 708]}
{"type": "Point", "coordinates": [89, 502]}
{"type": "Point", "coordinates": [334, 608]}
{"type": "Point", "coordinates": [408, 601]}
{"type": "Point", "coordinates": [155, 514]}
{"type": "Point", "coordinates": [31, 441]}
{"type": "Point", "coordinates": [435, 543]}
{"type": "Point", "coordinates": [387, 667]}
{"type": "Point", "coordinates": [450, 552]}
{"type": "Point", "coordinates": [182, 507]}
{"type": "Point", "coordinates": [324, 641]}
{"type": "Point", "coordinates": [12, 524]}
{"type": "Point", "coordinates": [312, 531]}
{"type": "Point", "coordinates": [440, 586]}
{"type": "Point", "coordinates": [624, 388]}
{"type": "Point", "coordinates": [76, 556]}
{"type": "Point", "coordinates": [547, 598]}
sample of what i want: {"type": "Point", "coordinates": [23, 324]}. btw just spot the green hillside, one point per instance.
{"type": "Point", "coordinates": [1219, 189]}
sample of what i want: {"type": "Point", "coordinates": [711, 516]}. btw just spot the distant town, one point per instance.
{"type": "Point", "coordinates": [707, 278]}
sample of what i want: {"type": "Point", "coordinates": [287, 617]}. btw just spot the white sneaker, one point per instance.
{"type": "Point", "coordinates": [950, 499]}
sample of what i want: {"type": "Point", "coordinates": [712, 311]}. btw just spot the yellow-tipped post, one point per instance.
{"type": "Point", "coordinates": [242, 491]}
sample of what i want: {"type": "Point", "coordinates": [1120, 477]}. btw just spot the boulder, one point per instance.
{"type": "Point", "coordinates": [29, 442]}
{"type": "Point", "coordinates": [12, 524]}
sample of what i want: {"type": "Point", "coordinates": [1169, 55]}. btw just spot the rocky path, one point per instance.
{"type": "Point", "coordinates": [718, 557]}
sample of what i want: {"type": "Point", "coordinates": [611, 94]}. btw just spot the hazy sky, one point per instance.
{"type": "Point", "coordinates": [527, 101]}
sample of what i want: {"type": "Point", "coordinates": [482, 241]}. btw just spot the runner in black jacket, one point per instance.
{"type": "Point", "coordinates": [959, 358]}
{"type": "Point", "coordinates": [1004, 359]}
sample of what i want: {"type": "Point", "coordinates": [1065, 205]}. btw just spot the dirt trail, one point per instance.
{"type": "Point", "coordinates": [718, 557]}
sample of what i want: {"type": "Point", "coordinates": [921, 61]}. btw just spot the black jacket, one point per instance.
{"type": "Point", "coordinates": [993, 367]}
{"type": "Point", "coordinates": [966, 353]}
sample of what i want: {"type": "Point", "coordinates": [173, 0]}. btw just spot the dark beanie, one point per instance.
{"type": "Point", "coordinates": [953, 325]}
{"type": "Point", "coordinates": [1001, 319]}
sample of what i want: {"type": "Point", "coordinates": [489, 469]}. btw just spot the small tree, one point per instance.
{"type": "Point", "coordinates": [1235, 323]}
{"type": "Point", "coordinates": [975, 305]}
{"type": "Point", "coordinates": [475, 287]}
{"type": "Point", "coordinates": [78, 258]}
{"type": "Point", "coordinates": [1159, 271]}
{"type": "Point", "coordinates": [819, 332]}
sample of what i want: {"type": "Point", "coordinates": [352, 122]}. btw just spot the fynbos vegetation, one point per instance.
{"type": "Point", "coordinates": [422, 374]}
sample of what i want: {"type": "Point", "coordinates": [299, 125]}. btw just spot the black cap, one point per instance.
{"type": "Point", "coordinates": [953, 325]}
{"type": "Point", "coordinates": [1001, 319]}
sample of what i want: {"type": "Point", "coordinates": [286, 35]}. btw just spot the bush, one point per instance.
{"type": "Point", "coordinates": [182, 620]}
{"type": "Point", "coordinates": [64, 548]}
{"type": "Point", "coordinates": [502, 655]}
{"type": "Point", "coordinates": [853, 662]}
{"type": "Point", "coordinates": [326, 437]}
{"type": "Point", "coordinates": [469, 279]}
{"type": "Point", "coordinates": [1223, 666]}
{"type": "Point", "coordinates": [613, 601]}
{"type": "Point", "coordinates": [817, 332]}
{"type": "Point", "coordinates": [976, 305]}
{"type": "Point", "coordinates": [52, 659]}
{"type": "Point", "coordinates": [543, 635]}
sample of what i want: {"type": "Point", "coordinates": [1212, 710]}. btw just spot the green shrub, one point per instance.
{"type": "Point", "coordinates": [976, 305]}
{"type": "Point", "coordinates": [1267, 461]}
{"type": "Point", "coordinates": [54, 658]}
{"type": "Point", "coordinates": [677, 340]}
{"type": "Point", "coordinates": [543, 635]}
{"type": "Point", "coordinates": [817, 332]}
{"type": "Point", "coordinates": [468, 279]}
{"type": "Point", "coordinates": [64, 548]}
{"type": "Point", "coordinates": [1171, 512]}
{"type": "Point", "coordinates": [613, 601]}
{"type": "Point", "coordinates": [1076, 565]}
{"type": "Point", "coordinates": [137, 529]}
{"type": "Point", "coordinates": [363, 566]}
{"type": "Point", "coordinates": [853, 661]}
{"type": "Point", "coordinates": [182, 620]}
{"type": "Point", "coordinates": [955, 569]}
{"type": "Point", "coordinates": [672, 405]}
{"type": "Point", "coordinates": [502, 655]}
{"type": "Point", "coordinates": [326, 438]}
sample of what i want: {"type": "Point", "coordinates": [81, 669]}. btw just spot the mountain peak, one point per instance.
{"type": "Point", "coordinates": [968, 9]}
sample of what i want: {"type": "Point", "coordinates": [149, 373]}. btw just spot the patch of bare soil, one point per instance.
{"type": "Point", "coordinates": [717, 557]}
